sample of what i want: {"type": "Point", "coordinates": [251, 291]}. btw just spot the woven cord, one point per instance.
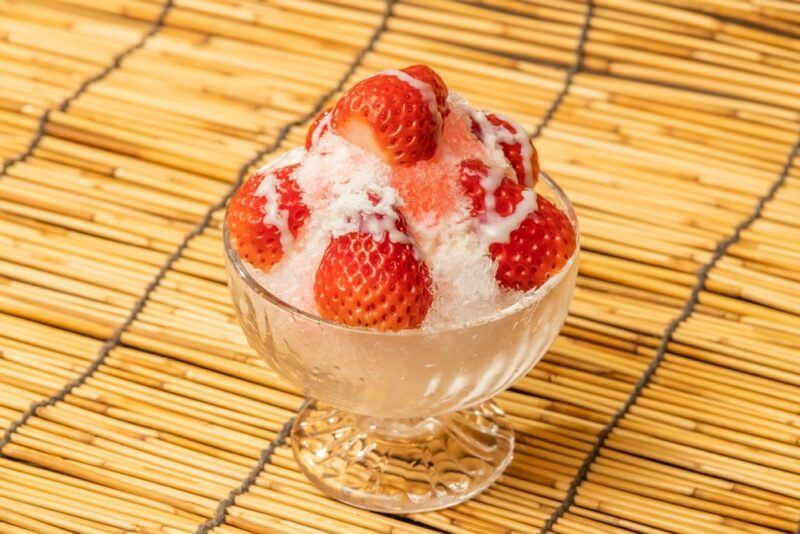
{"type": "Point", "coordinates": [64, 105]}
{"type": "Point", "coordinates": [40, 132]}
{"type": "Point", "coordinates": [577, 66]}
{"type": "Point", "coordinates": [263, 459]}
{"type": "Point", "coordinates": [701, 278]}
{"type": "Point", "coordinates": [694, 297]}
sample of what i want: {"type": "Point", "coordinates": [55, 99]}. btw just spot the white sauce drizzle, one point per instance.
{"type": "Point", "coordinates": [494, 135]}
{"type": "Point", "coordinates": [382, 225]}
{"type": "Point", "coordinates": [492, 227]}
{"type": "Point", "coordinates": [497, 229]}
{"type": "Point", "coordinates": [326, 121]}
{"type": "Point", "coordinates": [268, 188]}
{"type": "Point", "coordinates": [427, 93]}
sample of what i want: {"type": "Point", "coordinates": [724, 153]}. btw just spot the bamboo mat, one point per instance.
{"type": "Point", "coordinates": [129, 398]}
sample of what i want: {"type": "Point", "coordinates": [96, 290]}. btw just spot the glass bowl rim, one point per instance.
{"type": "Point", "coordinates": [234, 261]}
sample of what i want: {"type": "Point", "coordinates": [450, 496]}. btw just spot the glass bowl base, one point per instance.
{"type": "Point", "coordinates": [402, 465]}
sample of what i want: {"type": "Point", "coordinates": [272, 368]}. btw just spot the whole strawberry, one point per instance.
{"type": "Point", "coordinates": [513, 141]}
{"type": "Point", "coordinates": [261, 241]}
{"type": "Point", "coordinates": [541, 244]}
{"type": "Point", "coordinates": [373, 283]}
{"type": "Point", "coordinates": [393, 115]}
{"type": "Point", "coordinates": [539, 247]}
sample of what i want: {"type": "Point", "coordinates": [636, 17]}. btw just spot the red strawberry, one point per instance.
{"type": "Point", "coordinates": [541, 244]}
{"type": "Point", "coordinates": [536, 250]}
{"type": "Point", "coordinates": [390, 118]}
{"type": "Point", "coordinates": [512, 147]}
{"type": "Point", "coordinates": [427, 75]}
{"type": "Point", "coordinates": [374, 284]}
{"type": "Point", "coordinates": [257, 242]}
{"type": "Point", "coordinates": [506, 196]}
{"type": "Point", "coordinates": [322, 122]}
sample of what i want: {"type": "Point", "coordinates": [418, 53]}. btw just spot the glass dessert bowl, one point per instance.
{"type": "Point", "coordinates": [403, 421]}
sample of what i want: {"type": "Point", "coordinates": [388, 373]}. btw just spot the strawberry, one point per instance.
{"type": "Point", "coordinates": [541, 244]}
{"type": "Point", "coordinates": [374, 283]}
{"type": "Point", "coordinates": [321, 123]}
{"type": "Point", "coordinates": [506, 196]}
{"type": "Point", "coordinates": [510, 136]}
{"type": "Point", "coordinates": [390, 117]}
{"type": "Point", "coordinates": [427, 75]}
{"type": "Point", "coordinates": [539, 247]}
{"type": "Point", "coordinates": [255, 240]}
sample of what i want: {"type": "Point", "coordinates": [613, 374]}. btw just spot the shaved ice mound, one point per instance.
{"type": "Point", "coordinates": [430, 188]}
{"type": "Point", "coordinates": [455, 230]}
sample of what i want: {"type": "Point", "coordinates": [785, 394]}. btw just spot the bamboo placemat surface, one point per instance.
{"type": "Point", "coordinates": [129, 397]}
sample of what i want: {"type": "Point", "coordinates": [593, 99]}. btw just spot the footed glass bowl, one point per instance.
{"type": "Point", "coordinates": [402, 421]}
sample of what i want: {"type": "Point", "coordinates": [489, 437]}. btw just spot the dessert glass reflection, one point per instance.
{"type": "Point", "coordinates": [403, 421]}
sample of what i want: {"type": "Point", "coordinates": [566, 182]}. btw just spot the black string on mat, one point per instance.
{"type": "Point", "coordinates": [577, 66]}
{"type": "Point", "coordinates": [263, 459]}
{"type": "Point", "coordinates": [37, 137]}
{"type": "Point", "coordinates": [40, 132]}
{"type": "Point", "coordinates": [64, 105]}
{"type": "Point", "coordinates": [119, 58]}
{"type": "Point", "coordinates": [694, 297]}
{"type": "Point", "coordinates": [701, 277]}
